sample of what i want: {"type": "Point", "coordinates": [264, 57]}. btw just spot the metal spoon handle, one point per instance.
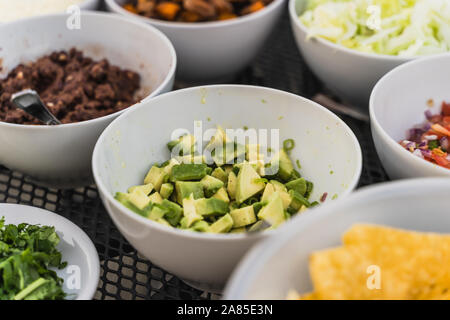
{"type": "Point", "coordinates": [30, 102]}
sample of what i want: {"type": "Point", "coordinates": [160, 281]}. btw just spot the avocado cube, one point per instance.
{"type": "Point", "coordinates": [155, 198]}
{"type": "Point", "coordinates": [190, 212]}
{"type": "Point", "coordinates": [247, 183]}
{"type": "Point", "coordinates": [123, 198]}
{"type": "Point", "coordinates": [164, 222]}
{"type": "Point", "coordinates": [139, 199]}
{"type": "Point", "coordinates": [231, 186]}
{"type": "Point", "coordinates": [226, 153]}
{"type": "Point", "coordinates": [281, 165]}
{"type": "Point", "coordinates": [174, 212]}
{"type": "Point", "coordinates": [223, 225]}
{"type": "Point", "coordinates": [146, 188]}
{"type": "Point", "coordinates": [168, 167]}
{"type": "Point", "coordinates": [220, 174]}
{"type": "Point", "coordinates": [182, 146]}
{"type": "Point", "coordinates": [243, 217]}
{"type": "Point", "coordinates": [268, 191]}
{"type": "Point", "coordinates": [200, 226]}
{"type": "Point", "coordinates": [156, 177]}
{"type": "Point", "coordinates": [273, 212]}
{"type": "Point", "coordinates": [157, 212]}
{"type": "Point", "coordinates": [299, 185]}
{"type": "Point", "coordinates": [222, 194]}
{"type": "Point", "coordinates": [184, 189]}
{"type": "Point", "coordinates": [211, 206]}
{"type": "Point", "coordinates": [188, 172]}
{"type": "Point", "coordinates": [166, 190]}
{"type": "Point", "coordinates": [298, 200]}
{"type": "Point", "coordinates": [211, 185]}
{"type": "Point", "coordinates": [238, 230]}
{"type": "Point", "coordinates": [218, 139]}
{"type": "Point", "coordinates": [192, 159]}
{"type": "Point", "coordinates": [282, 190]}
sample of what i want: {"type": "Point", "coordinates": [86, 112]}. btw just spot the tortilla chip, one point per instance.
{"type": "Point", "coordinates": [410, 265]}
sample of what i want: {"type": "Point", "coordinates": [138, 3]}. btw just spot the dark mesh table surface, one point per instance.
{"type": "Point", "coordinates": [125, 275]}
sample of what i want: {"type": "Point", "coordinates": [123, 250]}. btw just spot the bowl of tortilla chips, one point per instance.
{"type": "Point", "coordinates": [389, 241]}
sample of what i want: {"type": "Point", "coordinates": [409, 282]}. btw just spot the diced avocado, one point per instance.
{"type": "Point", "coordinates": [211, 185]}
{"type": "Point", "coordinates": [220, 174]}
{"type": "Point", "coordinates": [223, 225]}
{"type": "Point", "coordinates": [174, 212]}
{"type": "Point", "coordinates": [222, 195]}
{"type": "Point", "coordinates": [192, 159]}
{"type": "Point", "coordinates": [168, 167]}
{"type": "Point", "coordinates": [163, 222]}
{"type": "Point", "coordinates": [273, 212]}
{"type": "Point", "coordinates": [182, 146]}
{"type": "Point", "coordinates": [232, 184]}
{"type": "Point", "coordinates": [238, 230]}
{"type": "Point", "coordinates": [259, 225]}
{"type": "Point", "coordinates": [139, 199]}
{"type": "Point", "coordinates": [282, 190]}
{"type": "Point", "coordinates": [268, 191]}
{"type": "Point", "coordinates": [184, 189]}
{"type": "Point", "coordinates": [155, 198]}
{"type": "Point", "coordinates": [146, 188]}
{"type": "Point", "coordinates": [124, 199]}
{"type": "Point", "coordinates": [211, 206]}
{"type": "Point", "coordinates": [247, 183]}
{"type": "Point", "coordinates": [200, 226]}
{"type": "Point", "coordinates": [218, 139]}
{"type": "Point", "coordinates": [190, 212]}
{"type": "Point", "coordinates": [188, 172]}
{"type": "Point", "coordinates": [299, 185]}
{"type": "Point", "coordinates": [157, 212]}
{"type": "Point", "coordinates": [283, 163]}
{"type": "Point", "coordinates": [156, 177]}
{"type": "Point", "coordinates": [227, 169]}
{"type": "Point", "coordinates": [226, 153]}
{"type": "Point", "coordinates": [298, 200]}
{"type": "Point", "coordinates": [243, 217]}
{"type": "Point", "coordinates": [166, 190]}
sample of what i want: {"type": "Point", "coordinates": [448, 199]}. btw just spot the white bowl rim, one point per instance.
{"type": "Point", "coordinates": [87, 3]}
{"type": "Point", "coordinates": [196, 25]}
{"type": "Point", "coordinates": [438, 170]}
{"type": "Point", "coordinates": [120, 19]}
{"type": "Point", "coordinates": [337, 47]}
{"type": "Point", "coordinates": [91, 256]}
{"type": "Point", "coordinates": [263, 251]}
{"type": "Point", "coordinates": [207, 236]}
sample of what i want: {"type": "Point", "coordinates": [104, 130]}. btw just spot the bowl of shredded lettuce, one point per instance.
{"type": "Point", "coordinates": [351, 44]}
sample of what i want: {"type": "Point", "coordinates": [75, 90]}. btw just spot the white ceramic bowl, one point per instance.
{"type": "Point", "coordinates": [349, 73]}
{"type": "Point", "coordinates": [398, 103]}
{"type": "Point", "coordinates": [138, 139]}
{"type": "Point", "coordinates": [89, 5]}
{"type": "Point", "coordinates": [76, 248]}
{"type": "Point", "coordinates": [214, 51]}
{"type": "Point", "coordinates": [274, 267]}
{"type": "Point", "coordinates": [60, 156]}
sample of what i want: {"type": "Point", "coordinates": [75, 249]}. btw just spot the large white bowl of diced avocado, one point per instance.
{"type": "Point", "coordinates": [195, 177]}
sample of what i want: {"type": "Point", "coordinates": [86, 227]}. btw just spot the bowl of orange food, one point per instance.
{"type": "Point", "coordinates": [214, 39]}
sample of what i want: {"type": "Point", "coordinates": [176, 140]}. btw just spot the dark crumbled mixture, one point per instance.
{"type": "Point", "coordinates": [74, 87]}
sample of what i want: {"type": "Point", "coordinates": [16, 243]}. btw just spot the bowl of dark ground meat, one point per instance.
{"type": "Point", "coordinates": [86, 76]}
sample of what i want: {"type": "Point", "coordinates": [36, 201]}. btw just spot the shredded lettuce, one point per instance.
{"type": "Point", "coordinates": [394, 27]}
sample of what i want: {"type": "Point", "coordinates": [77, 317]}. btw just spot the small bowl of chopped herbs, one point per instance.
{"type": "Point", "coordinates": [44, 256]}
{"type": "Point", "coordinates": [196, 177]}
